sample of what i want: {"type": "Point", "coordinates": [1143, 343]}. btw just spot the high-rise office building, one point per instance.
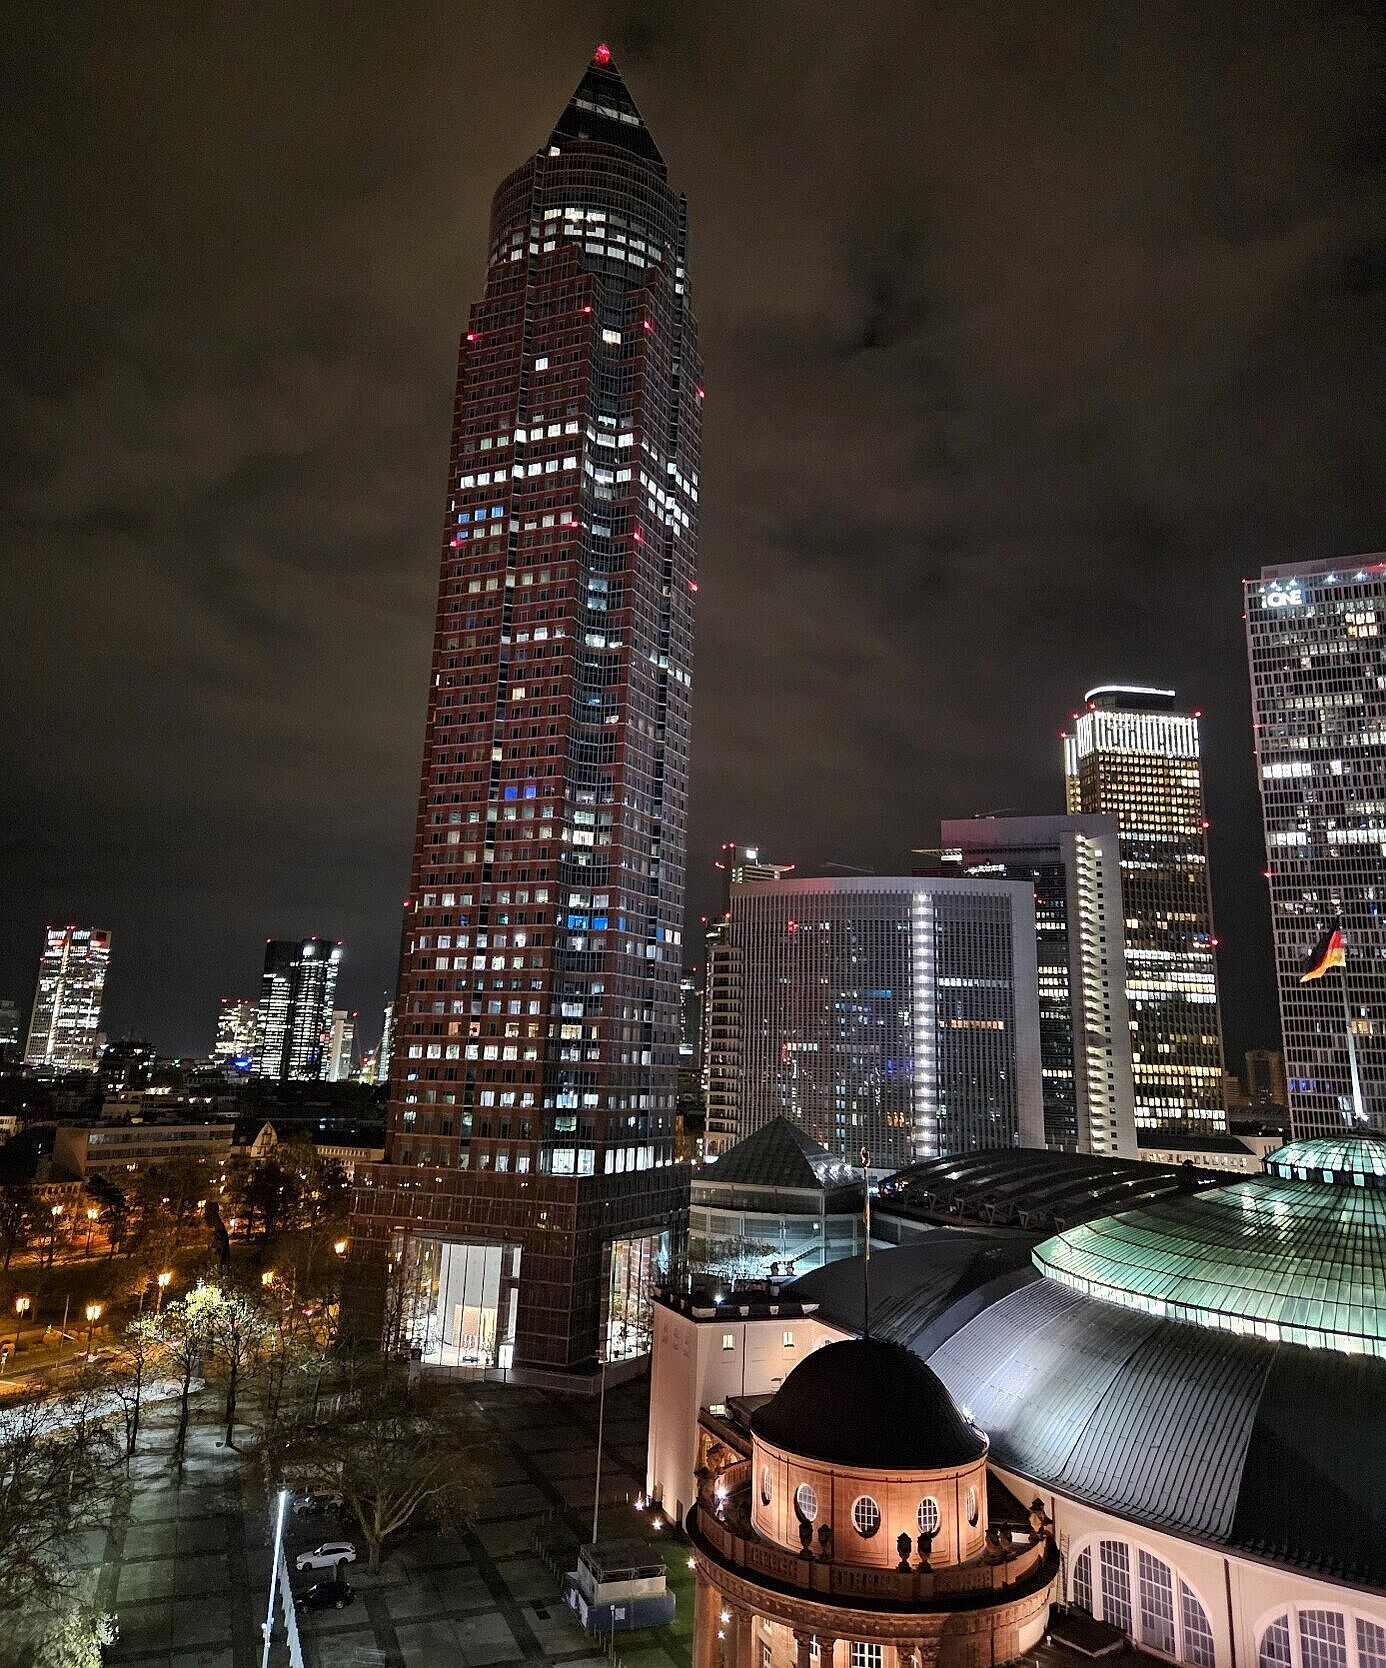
{"type": "Point", "coordinates": [530, 1130]}
{"type": "Point", "coordinates": [385, 1053]}
{"type": "Point", "coordinates": [739, 865]}
{"type": "Point", "coordinates": [295, 1013]}
{"type": "Point", "coordinates": [1318, 695]}
{"type": "Point", "coordinates": [896, 1014]}
{"type": "Point", "coordinates": [1135, 756]}
{"type": "Point", "coordinates": [234, 1049]}
{"type": "Point", "coordinates": [1265, 1078]}
{"type": "Point", "coordinates": [339, 1047]}
{"type": "Point", "coordinates": [11, 1024]}
{"type": "Point", "coordinates": [1074, 865]}
{"type": "Point", "coordinates": [64, 1030]}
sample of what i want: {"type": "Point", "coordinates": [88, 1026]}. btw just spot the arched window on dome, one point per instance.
{"type": "Point", "coordinates": [806, 1502]}
{"type": "Point", "coordinates": [928, 1515]}
{"type": "Point", "coordinates": [765, 1485]}
{"type": "Point", "coordinates": [866, 1516]}
{"type": "Point", "coordinates": [1308, 1637]}
{"type": "Point", "coordinates": [972, 1509]}
{"type": "Point", "coordinates": [1139, 1593]}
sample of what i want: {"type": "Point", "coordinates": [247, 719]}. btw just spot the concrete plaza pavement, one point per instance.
{"type": "Point", "coordinates": [185, 1565]}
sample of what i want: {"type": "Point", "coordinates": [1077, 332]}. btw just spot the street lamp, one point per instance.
{"type": "Point", "coordinates": [22, 1306]}
{"type": "Point", "coordinates": [162, 1283]}
{"type": "Point", "coordinates": [92, 1214]}
{"type": "Point", "coordinates": [55, 1213]}
{"type": "Point", "coordinates": [93, 1315]}
{"type": "Point", "coordinates": [267, 1278]}
{"type": "Point", "coordinates": [340, 1247]}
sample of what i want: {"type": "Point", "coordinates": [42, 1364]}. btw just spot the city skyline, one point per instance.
{"type": "Point", "coordinates": [884, 351]}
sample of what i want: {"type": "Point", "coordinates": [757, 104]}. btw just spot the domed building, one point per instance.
{"type": "Point", "coordinates": [1186, 1370]}
{"type": "Point", "coordinates": [860, 1523]}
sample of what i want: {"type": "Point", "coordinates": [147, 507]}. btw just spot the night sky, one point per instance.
{"type": "Point", "coordinates": [1030, 330]}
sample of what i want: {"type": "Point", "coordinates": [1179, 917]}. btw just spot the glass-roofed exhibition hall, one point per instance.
{"type": "Point", "coordinates": [1300, 1261]}
{"type": "Point", "coordinates": [1184, 1370]}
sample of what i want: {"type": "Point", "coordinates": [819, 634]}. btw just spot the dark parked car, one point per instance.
{"type": "Point", "coordinates": [327, 1595]}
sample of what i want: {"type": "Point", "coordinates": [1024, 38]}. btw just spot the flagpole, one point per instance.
{"type": "Point", "coordinates": [1357, 1106]}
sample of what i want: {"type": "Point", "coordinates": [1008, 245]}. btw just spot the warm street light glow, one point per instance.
{"type": "Point", "coordinates": [340, 1247]}
{"type": "Point", "coordinates": [267, 1278]}
{"type": "Point", "coordinates": [93, 1311]}
{"type": "Point", "coordinates": [92, 1213]}
{"type": "Point", "coordinates": [163, 1283]}
{"type": "Point", "coordinates": [22, 1305]}
{"type": "Point", "coordinates": [165, 1277]}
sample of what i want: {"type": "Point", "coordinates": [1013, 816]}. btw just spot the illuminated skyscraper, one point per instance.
{"type": "Point", "coordinates": [64, 1029]}
{"type": "Point", "coordinates": [1318, 692]}
{"type": "Point", "coordinates": [339, 1047]}
{"type": "Point", "coordinates": [295, 1014]}
{"type": "Point", "coordinates": [1073, 863]}
{"type": "Point", "coordinates": [898, 1014]}
{"type": "Point", "coordinates": [530, 1140]}
{"type": "Point", "coordinates": [1133, 755]}
{"type": "Point", "coordinates": [234, 1049]}
{"type": "Point", "coordinates": [739, 865]}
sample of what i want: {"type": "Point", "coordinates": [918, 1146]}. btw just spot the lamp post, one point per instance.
{"type": "Point", "coordinates": [93, 1315]}
{"type": "Point", "coordinates": [55, 1213]}
{"type": "Point", "coordinates": [92, 1214]}
{"type": "Point", "coordinates": [339, 1246]}
{"type": "Point", "coordinates": [162, 1282]}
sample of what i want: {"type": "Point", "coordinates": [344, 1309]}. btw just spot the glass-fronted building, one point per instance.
{"type": "Point", "coordinates": [1133, 755]}
{"type": "Point", "coordinates": [1318, 692]}
{"type": "Point", "coordinates": [66, 1022]}
{"type": "Point", "coordinates": [896, 1014]}
{"type": "Point", "coordinates": [295, 1014]}
{"type": "Point", "coordinates": [1073, 863]}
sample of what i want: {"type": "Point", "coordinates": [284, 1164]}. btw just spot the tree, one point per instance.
{"type": "Point", "coordinates": [235, 1328]}
{"type": "Point", "coordinates": [114, 1207]}
{"type": "Point", "coordinates": [389, 1448]}
{"type": "Point", "coordinates": [56, 1466]}
{"type": "Point", "coordinates": [180, 1335]}
{"type": "Point", "coordinates": [139, 1348]}
{"type": "Point", "coordinates": [67, 1634]}
{"type": "Point", "coordinates": [16, 1209]}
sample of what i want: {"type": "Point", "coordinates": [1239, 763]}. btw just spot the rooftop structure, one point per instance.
{"type": "Point", "coordinates": [1360, 1160]}
{"type": "Point", "coordinates": [1294, 1261]}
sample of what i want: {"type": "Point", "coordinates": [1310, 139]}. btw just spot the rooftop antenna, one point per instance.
{"type": "Point", "coordinates": [866, 1260]}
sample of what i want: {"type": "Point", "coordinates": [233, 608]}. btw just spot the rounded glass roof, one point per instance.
{"type": "Point", "coordinates": [1292, 1261]}
{"type": "Point", "coordinates": [1351, 1160]}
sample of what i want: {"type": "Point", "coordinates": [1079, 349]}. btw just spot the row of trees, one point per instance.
{"type": "Point", "coordinates": [291, 1193]}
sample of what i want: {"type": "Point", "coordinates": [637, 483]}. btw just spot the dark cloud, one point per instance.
{"type": "Point", "coordinates": [1029, 332]}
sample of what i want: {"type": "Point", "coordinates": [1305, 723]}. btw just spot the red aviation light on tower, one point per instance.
{"type": "Point", "coordinates": [602, 55]}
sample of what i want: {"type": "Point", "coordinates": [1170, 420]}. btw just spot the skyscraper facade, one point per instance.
{"type": "Point", "coordinates": [64, 1029]}
{"type": "Point", "coordinates": [722, 1016]}
{"type": "Point", "coordinates": [339, 1047]}
{"type": "Point", "coordinates": [1318, 693]}
{"type": "Point", "coordinates": [295, 1013]}
{"type": "Point", "coordinates": [1074, 865]}
{"type": "Point", "coordinates": [1135, 756]}
{"type": "Point", "coordinates": [531, 1113]}
{"type": "Point", "coordinates": [234, 1049]}
{"type": "Point", "coordinates": [896, 1014]}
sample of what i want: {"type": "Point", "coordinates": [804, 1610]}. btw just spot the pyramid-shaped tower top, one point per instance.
{"type": "Point", "coordinates": [602, 109]}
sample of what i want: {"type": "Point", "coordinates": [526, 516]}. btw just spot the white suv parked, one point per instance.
{"type": "Point", "coordinates": [327, 1556]}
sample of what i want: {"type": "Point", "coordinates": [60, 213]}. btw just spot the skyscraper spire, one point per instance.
{"type": "Point", "coordinates": [602, 110]}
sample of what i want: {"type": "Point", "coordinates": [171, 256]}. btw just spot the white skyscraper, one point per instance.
{"type": "Point", "coordinates": [1318, 691]}
{"type": "Point", "coordinates": [1074, 865]}
{"type": "Point", "coordinates": [896, 1014]}
{"type": "Point", "coordinates": [340, 1047]}
{"type": "Point", "coordinates": [67, 1004]}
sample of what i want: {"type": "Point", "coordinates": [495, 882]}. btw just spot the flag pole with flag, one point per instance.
{"type": "Point", "coordinates": [1328, 953]}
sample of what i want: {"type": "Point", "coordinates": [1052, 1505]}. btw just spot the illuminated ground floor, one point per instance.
{"type": "Point", "coordinates": [485, 1269]}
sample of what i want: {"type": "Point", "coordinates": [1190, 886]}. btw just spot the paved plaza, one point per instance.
{"type": "Point", "coordinates": [186, 1567]}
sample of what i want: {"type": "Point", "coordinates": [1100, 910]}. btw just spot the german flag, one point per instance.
{"type": "Point", "coordinates": [1329, 952]}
